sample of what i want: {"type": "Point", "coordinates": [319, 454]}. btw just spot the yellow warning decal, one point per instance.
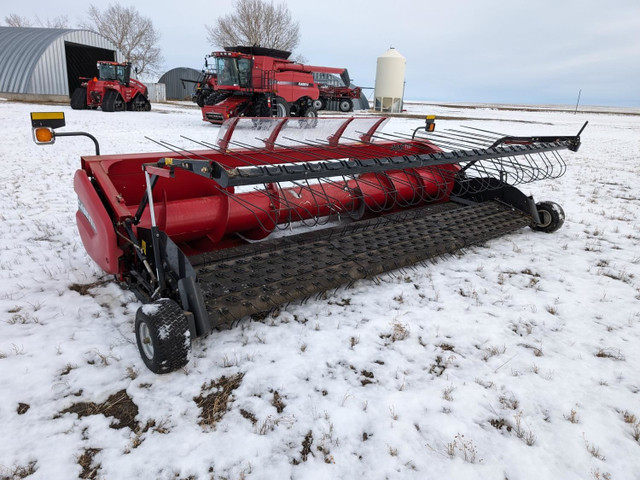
{"type": "Point", "coordinates": [47, 115]}
{"type": "Point", "coordinates": [144, 247]}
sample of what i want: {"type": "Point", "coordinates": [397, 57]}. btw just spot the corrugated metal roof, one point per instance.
{"type": "Point", "coordinates": [33, 60]}
{"type": "Point", "coordinates": [176, 88]}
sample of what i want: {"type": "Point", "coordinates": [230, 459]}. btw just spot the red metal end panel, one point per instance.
{"type": "Point", "coordinates": [95, 226]}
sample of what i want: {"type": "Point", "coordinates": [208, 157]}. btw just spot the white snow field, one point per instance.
{"type": "Point", "coordinates": [519, 359]}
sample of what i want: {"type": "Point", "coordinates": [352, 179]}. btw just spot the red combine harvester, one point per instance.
{"type": "Point", "coordinates": [263, 82]}
{"type": "Point", "coordinates": [205, 85]}
{"type": "Point", "coordinates": [113, 89]}
{"type": "Point", "coordinates": [187, 230]}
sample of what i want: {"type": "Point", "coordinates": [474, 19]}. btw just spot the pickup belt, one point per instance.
{"type": "Point", "coordinates": [262, 276]}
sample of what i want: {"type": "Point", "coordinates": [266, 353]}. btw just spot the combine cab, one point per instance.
{"type": "Point", "coordinates": [188, 231]}
{"type": "Point", "coordinates": [262, 82]}
{"type": "Point", "coordinates": [113, 89]}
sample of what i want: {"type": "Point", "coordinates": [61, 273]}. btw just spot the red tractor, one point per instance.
{"type": "Point", "coordinates": [113, 89]}
{"type": "Point", "coordinates": [262, 82]}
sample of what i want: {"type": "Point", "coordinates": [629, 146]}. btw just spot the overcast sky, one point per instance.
{"type": "Point", "coordinates": [533, 51]}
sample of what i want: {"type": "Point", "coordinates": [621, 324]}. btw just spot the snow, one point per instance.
{"type": "Point", "coordinates": [518, 359]}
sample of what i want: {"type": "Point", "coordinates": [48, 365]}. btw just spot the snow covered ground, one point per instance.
{"type": "Point", "coordinates": [516, 360]}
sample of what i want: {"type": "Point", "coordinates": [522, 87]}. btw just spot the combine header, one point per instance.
{"type": "Point", "coordinates": [187, 230]}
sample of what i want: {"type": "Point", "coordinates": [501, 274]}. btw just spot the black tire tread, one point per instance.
{"type": "Point", "coordinates": [79, 99]}
{"type": "Point", "coordinates": [557, 217]}
{"type": "Point", "coordinates": [171, 352]}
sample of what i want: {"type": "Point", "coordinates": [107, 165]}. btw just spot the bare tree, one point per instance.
{"type": "Point", "coordinates": [256, 22]}
{"type": "Point", "coordinates": [15, 20]}
{"type": "Point", "coordinates": [132, 33]}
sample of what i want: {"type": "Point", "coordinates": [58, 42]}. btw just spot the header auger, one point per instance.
{"type": "Point", "coordinates": [187, 230]}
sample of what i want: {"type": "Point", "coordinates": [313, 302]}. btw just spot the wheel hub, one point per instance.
{"type": "Point", "coordinates": [145, 340]}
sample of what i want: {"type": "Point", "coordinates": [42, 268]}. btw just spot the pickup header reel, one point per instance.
{"type": "Point", "coordinates": [187, 230]}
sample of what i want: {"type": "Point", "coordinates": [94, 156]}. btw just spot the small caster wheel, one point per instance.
{"type": "Point", "coordinates": [162, 335]}
{"type": "Point", "coordinates": [551, 217]}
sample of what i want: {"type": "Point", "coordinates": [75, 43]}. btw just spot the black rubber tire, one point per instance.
{"type": "Point", "coordinates": [162, 336]}
{"type": "Point", "coordinates": [216, 97]}
{"type": "Point", "coordinates": [200, 99]}
{"type": "Point", "coordinates": [79, 99]}
{"type": "Point", "coordinates": [212, 99]}
{"type": "Point", "coordinates": [345, 105]}
{"type": "Point", "coordinates": [281, 107]}
{"type": "Point", "coordinates": [309, 118]}
{"type": "Point", "coordinates": [320, 104]}
{"type": "Point", "coordinates": [551, 217]}
{"type": "Point", "coordinates": [113, 102]}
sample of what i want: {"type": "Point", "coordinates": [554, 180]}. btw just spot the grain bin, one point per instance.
{"type": "Point", "coordinates": [389, 88]}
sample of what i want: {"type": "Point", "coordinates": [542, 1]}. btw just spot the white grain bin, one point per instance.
{"type": "Point", "coordinates": [389, 88]}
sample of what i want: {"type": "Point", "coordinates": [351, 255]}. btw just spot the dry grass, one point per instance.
{"type": "Point", "coordinates": [84, 288]}
{"type": "Point", "coordinates": [612, 353]}
{"type": "Point", "coordinates": [277, 402]}
{"type": "Point", "coordinates": [400, 331]}
{"type": "Point", "coordinates": [593, 449]}
{"type": "Point", "coordinates": [464, 448]}
{"type": "Point", "coordinates": [119, 406]}
{"type": "Point", "coordinates": [572, 417]}
{"type": "Point", "coordinates": [525, 434]}
{"type": "Point", "coordinates": [214, 404]}
{"type": "Point", "coordinates": [89, 470]}
{"type": "Point", "coordinates": [18, 472]}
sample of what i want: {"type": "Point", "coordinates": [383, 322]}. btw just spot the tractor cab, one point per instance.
{"type": "Point", "coordinates": [114, 72]}
{"type": "Point", "coordinates": [234, 70]}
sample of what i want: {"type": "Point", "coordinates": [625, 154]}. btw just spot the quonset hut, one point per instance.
{"type": "Point", "coordinates": [46, 63]}
{"type": "Point", "coordinates": [177, 87]}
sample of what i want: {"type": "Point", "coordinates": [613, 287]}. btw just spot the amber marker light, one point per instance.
{"type": "Point", "coordinates": [44, 135]}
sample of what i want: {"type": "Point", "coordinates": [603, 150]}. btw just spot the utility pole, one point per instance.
{"type": "Point", "coordinates": [577, 102]}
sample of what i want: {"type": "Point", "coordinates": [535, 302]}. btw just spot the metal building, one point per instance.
{"type": "Point", "coordinates": [177, 82]}
{"type": "Point", "coordinates": [46, 63]}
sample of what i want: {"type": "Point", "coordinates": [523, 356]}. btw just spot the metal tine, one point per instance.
{"type": "Point", "coordinates": [473, 138]}
{"type": "Point", "coordinates": [420, 191]}
{"type": "Point", "coordinates": [308, 187]}
{"type": "Point", "coordinates": [235, 198]}
{"type": "Point", "coordinates": [447, 139]}
{"type": "Point", "coordinates": [320, 157]}
{"type": "Point", "coordinates": [407, 182]}
{"type": "Point", "coordinates": [491, 137]}
{"type": "Point", "coordinates": [220, 150]}
{"type": "Point", "coordinates": [176, 149]}
{"type": "Point", "coordinates": [381, 208]}
{"type": "Point", "coordinates": [461, 137]}
{"type": "Point", "coordinates": [246, 203]}
{"type": "Point", "coordinates": [458, 140]}
{"type": "Point", "coordinates": [282, 198]}
{"type": "Point", "coordinates": [439, 143]}
{"type": "Point", "coordinates": [423, 142]}
{"type": "Point", "coordinates": [498, 134]}
{"type": "Point", "coordinates": [265, 191]}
